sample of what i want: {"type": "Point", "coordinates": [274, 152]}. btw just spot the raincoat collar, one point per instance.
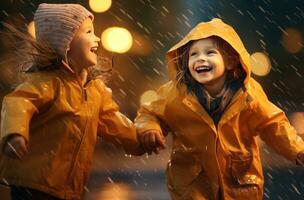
{"type": "Point", "coordinates": [215, 27]}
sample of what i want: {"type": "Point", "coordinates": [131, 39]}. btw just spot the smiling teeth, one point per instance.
{"type": "Point", "coordinates": [203, 68]}
{"type": "Point", "coordinates": [94, 49]}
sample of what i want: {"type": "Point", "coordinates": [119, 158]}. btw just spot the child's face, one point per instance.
{"type": "Point", "coordinates": [83, 47]}
{"type": "Point", "coordinates": [206, 63]}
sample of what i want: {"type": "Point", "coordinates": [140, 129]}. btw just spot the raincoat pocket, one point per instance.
{"type": "Point", "coordinates": [183, 167]}
{"type": "Point", "coordinates": [247, 184]}
{"type": "Point", "coordinates": [239, 166]}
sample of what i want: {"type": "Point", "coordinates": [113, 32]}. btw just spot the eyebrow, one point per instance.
{"type": "Point", "coordinates": [208, 47]}
{"type": "Point", "coordinates": [87, 27]}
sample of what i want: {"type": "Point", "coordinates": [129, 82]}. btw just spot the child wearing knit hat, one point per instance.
{"type": "Point", "coordinates": [50, 122]}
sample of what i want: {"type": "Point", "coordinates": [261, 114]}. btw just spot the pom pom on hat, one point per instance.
{"type": "Point", "coordinates": [56, 25]}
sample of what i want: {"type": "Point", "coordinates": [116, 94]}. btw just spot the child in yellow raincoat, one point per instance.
{"type": "Point", "coordinates": [215, 110]}
{"type": "Point", "coordinates": [50, 123]}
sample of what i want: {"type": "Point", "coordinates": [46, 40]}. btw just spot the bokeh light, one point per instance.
{"type": "Point", "coordinates": [260, 64]}
{"type": "Point", "coordinates": [116, 191]}
{"type": "Point", "coordinates": [148, 96]}
{"type": "Point", "coordinates": [292, 40]}
{"type": "Point", "coordinates": [99, 6]}
{"type": "Point", "coordinates": [31, 29]}
{"type": "Point", "coordinates": [117, 39]}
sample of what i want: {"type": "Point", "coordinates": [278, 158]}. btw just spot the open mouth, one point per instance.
{"type": "Point", "coordinates": [203, 69]}
{"type": "Point", "coordinates": [94, 50]}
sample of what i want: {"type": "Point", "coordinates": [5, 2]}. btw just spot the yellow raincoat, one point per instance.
{"type": "Point", "coordinates": [60, 119]}
{"type": "Point", "coordinates": [208, 160]}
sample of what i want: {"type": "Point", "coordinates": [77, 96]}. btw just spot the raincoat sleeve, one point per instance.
{"type": "Point", "coordinates": [19, 106]}
{"type": "Point", "coordinates": [115, 127]}
{"type": "Point", "coordinates": [274, 128]}
{"type": "Point", "coordinates": [150, 116]}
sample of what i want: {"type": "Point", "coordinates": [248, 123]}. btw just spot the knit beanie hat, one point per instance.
{"type": "Point", "coordinates": [56, 25]}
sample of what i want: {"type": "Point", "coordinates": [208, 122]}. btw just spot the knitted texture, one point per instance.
{"type": "Point", "coordinates": [56, 25]}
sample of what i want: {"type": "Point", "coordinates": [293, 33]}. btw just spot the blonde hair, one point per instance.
{"type": "Point", "coordinates": [30, 56]}
{"type": "Point", "coordinates": [103, 69]}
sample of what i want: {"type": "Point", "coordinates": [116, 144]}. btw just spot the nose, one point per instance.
{"type": "Point", "coordinates": [202, 57]}
{"type": "Point", "coordinates": [97, 39]}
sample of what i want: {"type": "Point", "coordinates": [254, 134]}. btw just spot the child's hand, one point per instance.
{"type": "Point", "coordinates": [300, 158]}
{"type": "Point", "coordinates": [15, 147]}
{"type": "Point", "coordinates": [152, 141]}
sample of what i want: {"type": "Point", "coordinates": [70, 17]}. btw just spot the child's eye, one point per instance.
{"type": "Point", "coordinates": [193, 53]}
{"type": "Point", "coordinates": [89, 31]}
{"type": "Point", "coordinates": [211, 52]}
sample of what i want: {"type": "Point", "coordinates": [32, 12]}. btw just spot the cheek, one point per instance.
{"type": "Point", "coordinates": [77, 48]}
{"type": "Point", "coordinates": [222, 61]}
{"type": "Point", "coordinates": [219, 62]}
{"type": "Point", "coordinates": [190, 63]}
{"type": "Point", "coordinates": [192, 72]}
{"type": "Point", "coordinates": [83, 46]}
{"type": "Point", "coordinates": [83, 51]}
{"type": "Point", "coordinates": [190, 69]}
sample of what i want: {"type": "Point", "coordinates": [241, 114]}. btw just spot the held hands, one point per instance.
{"type": "Point", "coordinates": [15, 147]}
{"type": "Point", "coordinates": [152, 141]}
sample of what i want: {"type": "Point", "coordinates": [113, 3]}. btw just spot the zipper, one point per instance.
{"type": "Point", "coordinates": [77, 150]}
{"type": "Point", "coordinates": [85, 95]}
{"type": "Point", "coordinates": [247, 101]}
{"type": "Point", "coordinates": [221, 188]}
{"type": "Point", "coordinates": [217, 140]}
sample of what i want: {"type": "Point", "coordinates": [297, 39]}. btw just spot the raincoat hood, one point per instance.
{"type": "Point", "coordinates": [217, 161]}
{"type": "Point", "coordinates": [215, 27]}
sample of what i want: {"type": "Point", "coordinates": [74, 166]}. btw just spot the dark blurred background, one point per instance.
{"type": "Point", "coordinates": [272, 31]}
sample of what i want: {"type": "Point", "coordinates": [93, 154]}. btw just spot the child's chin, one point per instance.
{"type": "Point", "coordinates": [92, 62]}
{"type": "Point", "coordinates": [202, 81]}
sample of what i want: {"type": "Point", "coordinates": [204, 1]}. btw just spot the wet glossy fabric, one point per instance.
{"type": "Point", "coordinates": [60, 119]}
{"type": "Point", "coordinates": [223, 161]}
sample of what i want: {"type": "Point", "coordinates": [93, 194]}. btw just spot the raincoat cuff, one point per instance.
{"type": "Point", "coordinates": [20, 129]}
{"type": "Point", "coordinates": [143, 127]}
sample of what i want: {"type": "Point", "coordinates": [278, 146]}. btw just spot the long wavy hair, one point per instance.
{"type": "Point", "coordinates": [230, 56]}
{"type": "Point", "coordinates": [30, 56]}
{"type": "Point", "coordinates": [103, 70]}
